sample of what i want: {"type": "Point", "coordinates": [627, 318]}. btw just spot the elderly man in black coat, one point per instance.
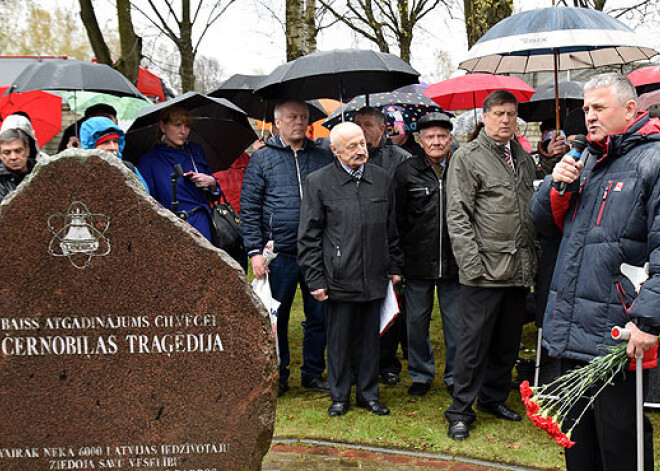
{"type": "Point", "coordinates": [348, 251]}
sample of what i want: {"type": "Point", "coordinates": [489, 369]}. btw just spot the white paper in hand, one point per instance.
{"type": "Point", "coordinates": [389, 309]}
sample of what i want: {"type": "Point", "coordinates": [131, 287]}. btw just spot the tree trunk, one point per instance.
{"type": "Point", "coordinates": [406, 31]}
{"type": "Point", "coordinates": [310, 26]}
{"type": "Point", "coordinates": [131, 44]}
{"type": "Point", "coordinates": [481, 15]}
{"type": "Point", "coordinates": [300, 28]}
{"type": "Point", "coordinates": [186, 68]}
{"type": "Point", "coordinates": [294, 33]}
{"type": "Point", "coordinates": [94, 33]}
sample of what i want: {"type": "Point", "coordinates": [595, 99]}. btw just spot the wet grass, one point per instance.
{"type": "Point", "coordinates": [418, 424]}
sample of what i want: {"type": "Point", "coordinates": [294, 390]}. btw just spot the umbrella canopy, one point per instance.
{"type": "Point", "coordinates": [583, 37]}
{"type": "Point", "coordinates": [45, 111]}
{"type": "Point", "coordinates": [645, 79]}
{"type": "Point", "coordinates": [647, 99]}
{"type": "Point", "coordinates": [541, 105]}
{"type": "Point", "coordinates": [470, 91]}
{"type": "Point", "coordinates": [407, 107]}
{"type": "Point", "coordinates": [72, 74]}
{"type": "Point", "coordinates": [219, 126]}
{"type": "Point", "coordinates": [127, 107]}
{"type": "Point", "coordinates": [239, 90]}
{"type": "Point", "coordinates": [340, 74]}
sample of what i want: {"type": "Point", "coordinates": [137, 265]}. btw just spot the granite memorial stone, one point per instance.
{"type": "Point", "coordinates": [127, 341]}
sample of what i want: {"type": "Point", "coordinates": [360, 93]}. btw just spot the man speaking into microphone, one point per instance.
{"type": "Point", "coordinates": [608, 215]}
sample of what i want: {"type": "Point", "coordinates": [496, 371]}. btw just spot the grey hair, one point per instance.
{"type": "Point", "coordinates": [339, 129]}
{"type": "Point", "coordinates": [9, 135]}
{"type": "Point", "coordinates": [623, 89]}
{"type": "Point", "coordinates": [277, 111]}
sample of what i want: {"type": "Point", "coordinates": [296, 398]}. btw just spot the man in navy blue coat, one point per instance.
{"type": "Point", "coordinates": [609, 215]}
{"type": "Point", "coordinates": [270, 210]}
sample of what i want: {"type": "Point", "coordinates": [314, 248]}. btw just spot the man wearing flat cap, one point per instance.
{"type": "Point", "coordinates": [419, 186]}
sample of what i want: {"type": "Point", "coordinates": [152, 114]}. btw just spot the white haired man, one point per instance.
{"type": "Point", "coordinates": [608, 215]}
{"type": "Point", "coordinates": [348, 247]}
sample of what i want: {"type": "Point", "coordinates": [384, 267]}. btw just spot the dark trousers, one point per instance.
{"type": "Point", "coordinates": [389, 344]}
{"type": "Point", "coordinates": [284, 277]}
{"type": "Point", "coordinates": [349, 326]}
{"type": "Point", "coordinates": [606, 437]}
{"type": "Point", "coordinates": [491, 327]}
{"type": "Point", "coordinates": [419, 306]}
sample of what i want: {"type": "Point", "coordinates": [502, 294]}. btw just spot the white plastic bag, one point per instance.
{"type": "Point", "coordinates": [261, 288]}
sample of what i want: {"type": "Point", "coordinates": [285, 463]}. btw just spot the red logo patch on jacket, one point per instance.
{"type": "Point", "coordinates": [618, 186]}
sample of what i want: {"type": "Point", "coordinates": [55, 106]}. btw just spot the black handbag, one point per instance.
{"type": "Point", "coordinates": [226, 231]}
{"type": "Point", "coordinates": [225, 223]}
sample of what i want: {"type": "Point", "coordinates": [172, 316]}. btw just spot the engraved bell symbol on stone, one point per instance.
{"type": "Point", "coordinates": [79, 235]}
{"type": "Point", "coordinates": [78, 238]}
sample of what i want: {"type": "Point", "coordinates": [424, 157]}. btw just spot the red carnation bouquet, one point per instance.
{"type": "Point", "coordinates": [548, 405]}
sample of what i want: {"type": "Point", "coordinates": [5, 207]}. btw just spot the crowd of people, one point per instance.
{"type": "Point", "coordinates": [356, 217]}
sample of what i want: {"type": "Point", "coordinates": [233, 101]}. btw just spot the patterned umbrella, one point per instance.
{"type": "Point", "coordinates": [402, 110]}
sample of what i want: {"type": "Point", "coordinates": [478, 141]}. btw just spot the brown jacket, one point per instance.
{"type": "Point", "coordinates": [489, 216]}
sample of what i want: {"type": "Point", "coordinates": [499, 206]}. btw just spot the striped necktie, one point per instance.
{"type": "Point", "coordinates": [356, 174]}
{"type": "Point", "coordinates": [509, 160]}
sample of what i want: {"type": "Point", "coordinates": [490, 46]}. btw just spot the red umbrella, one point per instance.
{"type": "Point", "coordinates": [470, 91]}
{"type": "Point", "coordinates": [647, 100]}
{"type": "Point", "coordinates": [645, 79]}
{"type": "Point", "coordinates": [44, 109]}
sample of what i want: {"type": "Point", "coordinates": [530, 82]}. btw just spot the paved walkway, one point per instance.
{"type": "Point", "coordinates": [312, 455]}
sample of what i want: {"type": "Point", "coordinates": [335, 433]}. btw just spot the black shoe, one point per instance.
{"type": "Point", "coordinates": [282, 387]}
{"type": "Point", "coordinates": [500, 411]}
{"type": "Point", "coordinates": [337, 408]}
{"type": "Point", "coordinates": [374, 407]}
{"type": "Point", "coordinates": [316, 384]}
{"type": "Point", "coordinates": [391, 379]}
{"type": "Point", "coordinates": [458, 430]}
{"type": "Point", "coordinates": [419, 389]}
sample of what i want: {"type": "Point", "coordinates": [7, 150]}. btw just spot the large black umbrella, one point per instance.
{"type": "Point", "coordinates": [239, 90]}
{"type": "Point", "coordinates": [338, 74]}
{"type": "Point", "coordinates": [72, 74]}
{"type": "Point", "coordinates": [219, 126]}
{"type": "Point", "coordinates": [408, 107]}
{"type": "Point", "coordinates": [541, 105]}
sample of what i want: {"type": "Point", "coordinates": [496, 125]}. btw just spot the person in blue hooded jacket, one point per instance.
{"type": "Point", "coordinates": [104, 134]}
{"type": "Point", "coordinates": [173, 148]}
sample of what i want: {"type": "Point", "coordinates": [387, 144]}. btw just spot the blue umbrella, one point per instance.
{"type": "Point", "coordinates": [582, 37]}
{"type": "Point", "coordinates": [553, 39]}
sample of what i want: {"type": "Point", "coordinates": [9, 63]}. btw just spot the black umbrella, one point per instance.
{"type": "Point", "coordinates": [541, 105]}
{"type": "Point", "coordinates": [239, 90]}
{"type": "Point", "coordinates": [407, 107]}
{"type": "Point", "coordinates": [339, 74]}
{"type": "Point", "coordinates": [219, 126]}
{"type": "Point", "coordinates": [72, 74]}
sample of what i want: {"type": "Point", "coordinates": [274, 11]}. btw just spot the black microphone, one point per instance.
{"type": "Point", "coordinates": [578, 146]}
{"type": "Point", "coordinates": [179, 171]}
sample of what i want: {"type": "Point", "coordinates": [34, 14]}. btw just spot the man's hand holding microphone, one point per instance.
{"type": "Point", "coordinates": [568, 169]}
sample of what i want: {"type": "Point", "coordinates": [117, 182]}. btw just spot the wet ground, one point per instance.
{"type": "Point", "coordinates": [319, 456]}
